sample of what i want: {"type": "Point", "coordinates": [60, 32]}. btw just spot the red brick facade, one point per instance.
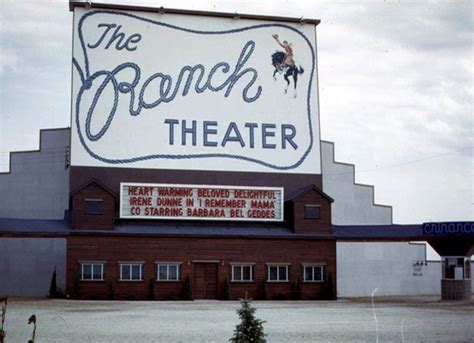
{"type": "Point", "coordinates": [205, 260]}
{"type": "Point", "coordinates": [192, 252]}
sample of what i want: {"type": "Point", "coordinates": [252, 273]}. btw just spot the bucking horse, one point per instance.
{"type": "Point", "coordinates": [287, 70]}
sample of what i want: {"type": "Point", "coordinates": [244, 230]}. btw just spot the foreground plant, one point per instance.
{"type": "Point", "coordinates": [4, 302]}
{"type": "Point", "coordinates": [32, 319]}
{"type": "Point", "coordinates": [250, 328]}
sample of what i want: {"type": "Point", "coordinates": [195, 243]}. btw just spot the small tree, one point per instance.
{"type": "Point", "coordinates": [53, 288]}
{"type": "Point", "coordinates": [76, 287]}
{"type": "Point", "coordinates": [151, 290]}
{"type": "Point", "coordinates": [297, 290]}
{"type": "Point", "coordinates": [262, 292]}
{"type": "Point", "coordinates": [111, 292]}
{"type": "Point", "coordinates": [186, 290]}
{"type": "Point", "coordinates": [226, 293]}
{"type": "Point", "coordinates": [250, 328]}
{"type": "Point", "coordinates": [330, 288]}
{"type": "Point", "coordinates": [4, 302]}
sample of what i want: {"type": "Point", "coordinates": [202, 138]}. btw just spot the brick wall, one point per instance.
{"type": "Point", "coordinates": [188, 251]}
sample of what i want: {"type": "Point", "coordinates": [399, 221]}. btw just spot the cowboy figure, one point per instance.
{"type": "Point", "coordinates": [288, 51]}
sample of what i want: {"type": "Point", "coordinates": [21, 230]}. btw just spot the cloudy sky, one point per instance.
{"type": "Point", "coordinates": [396, 90]}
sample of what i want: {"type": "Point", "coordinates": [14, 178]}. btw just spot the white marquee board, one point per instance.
{"type": "Point", "coordinates": [200, 202]}
{"type": "Point", "coordinates": [172, 91]}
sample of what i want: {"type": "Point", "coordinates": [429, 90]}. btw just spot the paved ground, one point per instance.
{"type": "Point", "coordinates": [421, 319]}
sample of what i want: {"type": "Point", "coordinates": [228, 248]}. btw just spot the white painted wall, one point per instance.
{"type": "Point", "coordinates": [362, 267]}
{"type": "Point", "coordinates": [353, 203]}
{"type": "Point", "coordinates": [27, 265]}
{"type": "Point", "coordinates": [365, 266]}
{"type": "Point", "coordinates": [37, 186]}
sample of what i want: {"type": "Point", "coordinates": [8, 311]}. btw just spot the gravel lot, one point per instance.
{"type": "Point", "coordinates": [420, 319]}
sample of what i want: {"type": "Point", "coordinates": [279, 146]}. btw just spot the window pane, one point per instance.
{"type": "Point", "coordinates": [273, 273]}
{"type": "Point", "coordinates": [282, 273]}
{"type": "Point", "coordinates": [163, 274]}
{"type": "Point", "coordinates": [312, 212]}
{"type": "Point", "coordinates": [97, 272]}
{"type": "Point", "coordinates": [125, 272]}
{"type": "Point", "coordinates": [93, 206]}
{"type": "Point", "coordinates": [237, 273]}
{"type": "Point", "coordinates": [173, 272]}
{"type": "Point", "coordinates": [86, 272]}
{"type": "Point", "coordinates": [136, 272]}
{"type": "Point", "coordinates": [246, 273]}
{"type": "Point", "coordinates": [318, 273]}
{"type": "Point", "coordinates": [308, 273]}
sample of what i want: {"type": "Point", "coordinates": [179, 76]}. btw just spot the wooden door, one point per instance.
{"type": "Point", "coordinates": [205, 281]}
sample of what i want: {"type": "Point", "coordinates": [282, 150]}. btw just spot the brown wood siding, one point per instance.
{"type": "Point", "coordinates": [186, 250]}
{"type": "Point", "coordinates": [303, 225]}
{"type": "Point", "coordinates": [81, 220]}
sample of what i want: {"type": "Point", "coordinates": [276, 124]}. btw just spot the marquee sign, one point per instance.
{"type": "Point", "coordinates": [168, 201]}
{"type": "Point", "coordinates": [172, 91]}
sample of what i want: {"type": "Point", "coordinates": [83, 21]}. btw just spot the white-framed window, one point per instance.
{"type": "Point", "coordinates": [241, 272]}
{"type": "Point", "coordinates": [277, 272]}
{"type": "Point", "coordinates": [92, 271]}
{"type": "Point", "coordinates": [313, 273]}
{"type": "Point", "coordinates": [131, 271]}
{"type": "Point", "coordinates": [167, 271]}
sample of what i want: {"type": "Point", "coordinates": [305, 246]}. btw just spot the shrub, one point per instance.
{"type": "Point", "coordinates": [226, 293]}
{"type": "Point", "coordinates": [250, 328]}
{"type": "Point", "coordinates": [262, 292]}
{"type": "Point", "coordinates": [280, 296]}
{"type": "Point", "coordinates": [76, 287]}
{"type": "Point", "coordinates": [53, 288]}
{"type": "Point", "coordinates": [130, 297]}
{"type": "Point", "coordinates": [186, 293]}
{"type": "Point", "coordinates": [111, 292]}
{"type": "Point", "coordinates": [297, 290]}
{"type": "Point", "coordinates": [151, 290]}
{"type": "Point", "coordinates": [330, 288]}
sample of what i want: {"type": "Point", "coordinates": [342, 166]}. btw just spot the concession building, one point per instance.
{"type": "Point", "coordinates": [194, 167]}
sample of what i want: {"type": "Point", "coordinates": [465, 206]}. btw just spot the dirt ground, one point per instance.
{"type": "Point", "coordinates": [420, 319]}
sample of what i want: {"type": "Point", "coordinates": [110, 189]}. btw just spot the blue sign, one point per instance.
{"type": "Point", "coordinates": [448, 229]}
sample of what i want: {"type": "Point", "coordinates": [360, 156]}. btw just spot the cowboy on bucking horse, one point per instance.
{"type": "Point", "coordinates": [284, 63]}
{"type": "Point", "coordinates": [288, 50]}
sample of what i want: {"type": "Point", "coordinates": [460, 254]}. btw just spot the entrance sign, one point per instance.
{"type": "Point", "coordinates": [448, 229]}
{"type": "Point", "coordinates": [170, 91]}
{"type": "Point", "coordinates": [168, 201]}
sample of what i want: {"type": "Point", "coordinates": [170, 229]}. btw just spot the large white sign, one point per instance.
{"type": "Point", "coordinates": [168, 201]}
{"type": "Point", "coordinates": [169, 91]}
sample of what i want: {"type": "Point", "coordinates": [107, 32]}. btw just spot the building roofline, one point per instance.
{"type": "Point", "coordinates": [163, 10]}
{"type": "Point", "coordinates": [353, 178]}
{"type": "Point", "coordinates": [10, 153]}
{"type": "Point", "coordinates": [306, 189]}
{"type": "Point", "coordinates": [90, 182]}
